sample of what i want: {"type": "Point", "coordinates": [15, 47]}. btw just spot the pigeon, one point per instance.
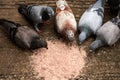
{"type": "Point", "coordinates": [66, 24]}
{"type": "Point", "coordinates": [23, 36]}
{"type": "Point", "coordinates": [36, 14]}
{"type": "Point", "coordinates": [108, 34]}
{"type": "Point", "coordinates": [114, 5]}
{"type": "Point", "coordinates": [91, 20]}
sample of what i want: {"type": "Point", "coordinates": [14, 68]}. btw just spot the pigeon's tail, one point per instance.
{"type": "Point", "coordinates": [22, 9]}
{"type": "Point", "coordinates": [99, 3]}
{"type": "Point", "coordinates": [8, 25]}
{"type": "Point", "coordinates": [61, 2]}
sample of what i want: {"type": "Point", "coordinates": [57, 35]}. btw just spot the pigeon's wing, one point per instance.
{"type": "Point", "coordinates": [22, 39]}
{"type": "Point", "coordinates": [30, 32]}
{"type": "Point", "coordinates": [109, 32]}
{"type": "Point", "coordinates": [35, 13]}
{"type": "Point", "coordinates": [91, 20]}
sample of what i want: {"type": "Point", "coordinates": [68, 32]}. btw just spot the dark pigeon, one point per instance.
{"type": "Point", "coordinates": [108, 34]}
{"type": "Point", "coordinates": [114, 5]}
{"type": "Point", "coordinates": [23, 36]}
{"type": "Point", "coordinates": [36, 14]}
{"type": "Point", "coordinates": [91, 20]}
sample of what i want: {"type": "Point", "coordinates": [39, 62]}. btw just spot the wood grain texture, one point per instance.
{"type": "Point", "coordinates": [103, 64]}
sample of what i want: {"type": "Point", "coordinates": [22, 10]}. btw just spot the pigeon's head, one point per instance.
{"type": "Point", "coordinates": [70, 35]}
{"type": "Point", "coordinates": [41, 43]}
{"type": "Point", "coordinates": [61, 4]}
{"type": "Point", "coordinates": [47, 14]}
{"type": "Point", "coordinates": [116, 20]}
{"type": "Point", "coordinates": [82, 37]}
{"type": "Point", "coordinates": [96, 44]}
{"type": "Point", "coordinates": [93, 46]}
{"type": "Point", "coordinates": [50, 11]}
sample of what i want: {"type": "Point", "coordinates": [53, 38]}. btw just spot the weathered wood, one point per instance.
{"type": "Point", "coordinates": [14, 62]}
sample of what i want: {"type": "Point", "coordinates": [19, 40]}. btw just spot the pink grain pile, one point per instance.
{"type": "Point", "coordinates": [59, 62]}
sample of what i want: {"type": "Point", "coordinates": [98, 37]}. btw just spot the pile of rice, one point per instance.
{"type": "Point", "coordinates": [59, 62]}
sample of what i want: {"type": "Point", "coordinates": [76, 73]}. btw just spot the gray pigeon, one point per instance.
{"type": "Point", "coordinates": [108, 34]}
{"type": "Point", "coordinates": [23, 36]}
{"type": "Point", "coordinates": [91, 20]}
{"type": "Point", "coordinates": [36, 14]}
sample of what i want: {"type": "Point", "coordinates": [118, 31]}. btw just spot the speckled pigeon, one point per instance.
{"type": "Point", "coordinates": [91, 20]}
{"type": "Point", "coordinates": [37, 14]}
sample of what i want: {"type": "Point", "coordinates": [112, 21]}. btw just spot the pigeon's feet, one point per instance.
{"type": "Point", "coordinates": [47, 22]}
{"type": "Point", "coordinates": [40, 31]}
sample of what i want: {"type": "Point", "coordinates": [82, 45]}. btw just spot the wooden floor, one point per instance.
{"type": "Point", "coordinates": [103, 64]}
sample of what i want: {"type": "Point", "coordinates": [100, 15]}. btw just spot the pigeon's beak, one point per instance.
{"type": "Point", "coordinates": [46, 47]}
{"type": "Point", "coordinates": [51, 14]}
{"type": "Point", "coordinates": [80, 43]}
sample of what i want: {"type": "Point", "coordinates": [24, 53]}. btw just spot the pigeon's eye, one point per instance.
{"type": "Point", "coordinates": [72, 35]}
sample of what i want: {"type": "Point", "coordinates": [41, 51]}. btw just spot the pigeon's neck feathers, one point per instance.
{"type": "Point", "coordinates": [45, 14]}
{"type": "Point", "coordinates": [84, 35]}
{"type": "Point", "coordinates": [87, 31]}
{"type": "Point", "coordinates": [34, 42]}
